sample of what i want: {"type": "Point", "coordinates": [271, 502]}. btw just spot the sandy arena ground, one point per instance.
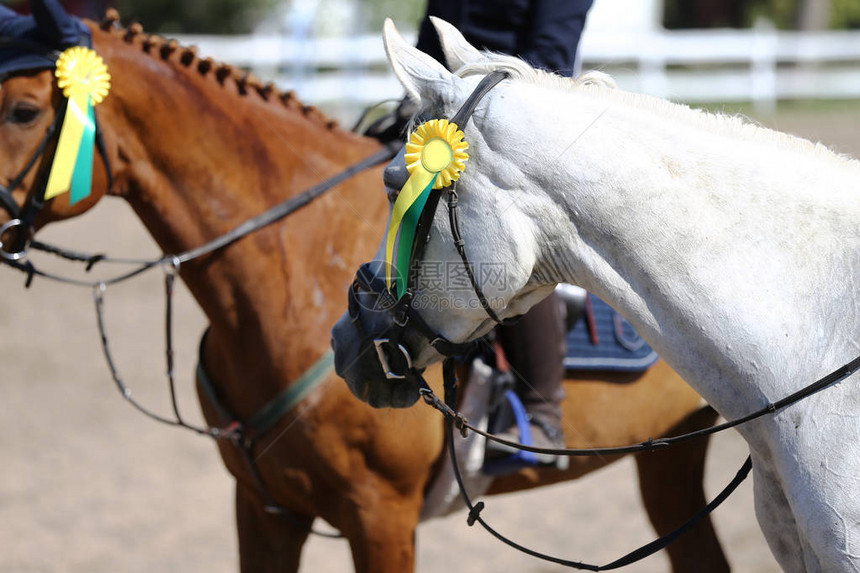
{"type": "Point", "coordinates": [88, 485]}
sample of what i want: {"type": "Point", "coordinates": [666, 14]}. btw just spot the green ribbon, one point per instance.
{"type": "Point", "coordinates": [82, 177]}
{"type": "Point", "coordinates": [405, 243]}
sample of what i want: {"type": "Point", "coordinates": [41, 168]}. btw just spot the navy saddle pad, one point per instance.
{"type": "Point", "coordinates": [603, 340]}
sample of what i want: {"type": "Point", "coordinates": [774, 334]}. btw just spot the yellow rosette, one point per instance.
{"type": "Point", "coordinates": [84, 79]}
{"type": "Point", "coordinates": [435, 157]}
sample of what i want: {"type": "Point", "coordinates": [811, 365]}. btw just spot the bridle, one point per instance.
{"type": "Point", "coordinates": [394, 355]}
{"type": "Point", "coordinates": [23, 218]}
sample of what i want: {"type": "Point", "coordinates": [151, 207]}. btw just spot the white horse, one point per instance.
{"type": "Point", "coordinates": [731, 248]}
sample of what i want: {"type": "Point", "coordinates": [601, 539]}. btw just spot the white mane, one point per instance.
{"type": "Point", "coordinates": [602, 85]}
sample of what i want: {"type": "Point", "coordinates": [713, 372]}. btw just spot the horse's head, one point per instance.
{"type": "Point", "coordinates": [445, 276]}
{"type": "Point", "coordinates": [46, 140]}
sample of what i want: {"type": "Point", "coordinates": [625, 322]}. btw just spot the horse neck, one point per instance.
{"type": "Point", "coordinates": [195, 158]}
{"type": "Point", "coordinates": [719, 243]}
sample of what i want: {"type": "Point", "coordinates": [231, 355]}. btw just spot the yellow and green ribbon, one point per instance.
{"type": "Point", "coordinates": [435, 157]}
{"type": "Point", "coordinates": [84, 79]}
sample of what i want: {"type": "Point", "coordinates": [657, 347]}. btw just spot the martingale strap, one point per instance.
{"type": "Point", "coordinates": [271, 413]}
{"type": "Point", "coordinates": [245, 434]}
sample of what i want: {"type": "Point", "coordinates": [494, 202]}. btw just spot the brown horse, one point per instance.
{"type": "Point", "coordinates": [196, 148]}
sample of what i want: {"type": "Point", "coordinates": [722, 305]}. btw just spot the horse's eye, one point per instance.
{"type": "Point", "coordinates": [392, 194]}
{"type": "Point", "coordinates": [23, 114]}
{"type": "Point", "coordinates": [394, 177]}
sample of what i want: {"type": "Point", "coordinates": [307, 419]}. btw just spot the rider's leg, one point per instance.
{"type": "Point", "coordinates": [535, 349]}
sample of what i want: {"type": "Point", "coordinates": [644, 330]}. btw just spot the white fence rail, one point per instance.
{"type": "Point", "coordinates": [760, 65]}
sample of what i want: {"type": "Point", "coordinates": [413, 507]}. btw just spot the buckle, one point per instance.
{"type": "Point", "coordinates": [400, 319]}
{"type": "Point", "coordinates": [380, 343]}
{"type": "Point", "coordinates": [7, 226]}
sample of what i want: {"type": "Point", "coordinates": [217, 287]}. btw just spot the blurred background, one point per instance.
{"type": "Point", "coordinates": [756, 52]}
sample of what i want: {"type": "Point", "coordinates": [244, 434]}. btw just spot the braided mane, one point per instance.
{"type": "Point", "coordinates": [246, 82]}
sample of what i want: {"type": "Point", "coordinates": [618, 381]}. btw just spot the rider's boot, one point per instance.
{"type": "Point", "coordinates": [535, 348]}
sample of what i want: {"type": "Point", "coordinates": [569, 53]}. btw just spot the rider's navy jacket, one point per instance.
{"type": "Point", "coordinates": [545, 33]}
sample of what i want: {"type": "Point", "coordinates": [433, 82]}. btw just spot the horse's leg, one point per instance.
{"type": "Point", "coordinates": [267, 543]}
{"type": "Point", "coordinates": [671, 482]}
{"type": "Point", "coordinates": [393, 552]}
{"type": "Point", "coordinates": [382, 535]}
{"type": "Point", "coordinates": [776, 519]}
{"type": "Point", "coordinates": [805, 494]}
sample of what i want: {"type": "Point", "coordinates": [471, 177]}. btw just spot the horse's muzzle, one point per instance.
{"type": "Point", "coordinates": [356, 360]}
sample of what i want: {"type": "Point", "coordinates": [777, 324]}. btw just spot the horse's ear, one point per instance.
{"type": "Point", "coordinates": [416, 71]}
{"type": "Point", "coordinates": [458, 51]}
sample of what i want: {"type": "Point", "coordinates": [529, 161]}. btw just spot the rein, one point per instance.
{"type": "Point", "coordinates": [653, 444]}
{"type": "Point", "coordinates": [455, 419]}
{"type": "Point", "coordinates": [272, 215]}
